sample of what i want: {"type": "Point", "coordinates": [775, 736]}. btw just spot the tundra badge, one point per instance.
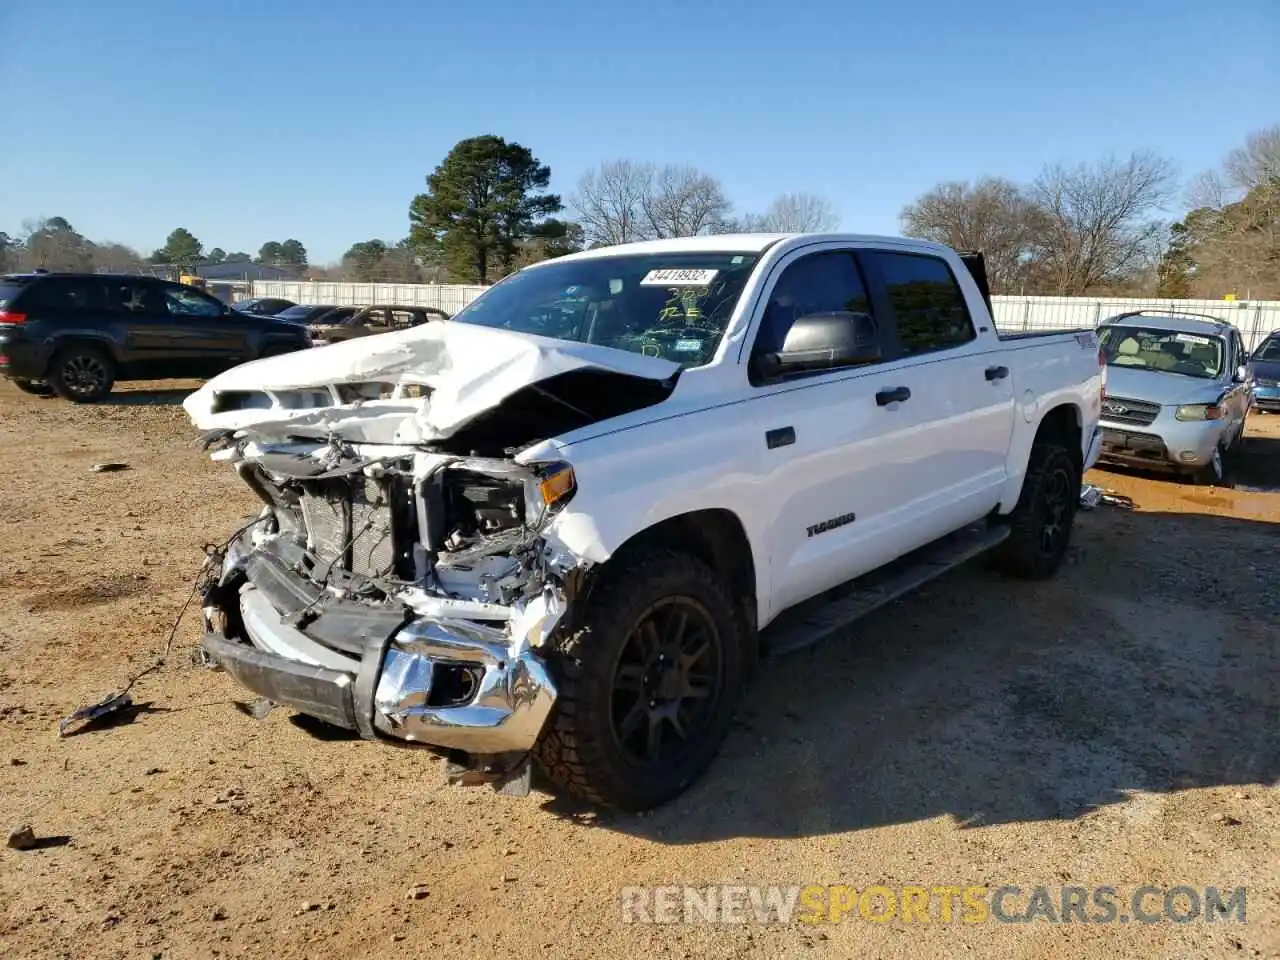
{"type": "Point", "coordinates": [841, 521]}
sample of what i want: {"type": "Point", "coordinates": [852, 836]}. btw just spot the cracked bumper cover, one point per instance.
{"type": "Point", "coordinates": [382, 689]}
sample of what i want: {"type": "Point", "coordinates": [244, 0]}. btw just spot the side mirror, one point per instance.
{"type": "Point", "coordinates": [823, 341]}
{"type": "Point", "coordinates": [1241, 375]}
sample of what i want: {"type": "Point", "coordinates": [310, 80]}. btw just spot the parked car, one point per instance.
{"type": "Point", "coordinates": [262, 306]}
{"type": "Point", "coordinates": [579, 547]}
{"type": "Point", "coordinates": [336, 315]}
{"type": "Point", "coordinates": [351, 322]}
{"type": "Point", "coordinates": [77, 334]}
{"type": "Point", "coordinates": [305, 313]}
{"type": "Point", "coordinates": [1177, 392]}
{"type": "Point", "coordinates": [1264, 369]}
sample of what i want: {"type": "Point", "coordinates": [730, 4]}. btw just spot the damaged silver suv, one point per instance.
{"type": "Point", "coordinates": [553, 527]}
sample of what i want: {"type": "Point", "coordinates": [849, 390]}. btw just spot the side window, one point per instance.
{"type": "Point", "coordinates": [376, 317]}
{"type": "Point", "coordinates": [68, 295]}
{"type": "Point", "coordinates": [819, 283]}
{"type": "Point", "coordinates": [135, 298]}
{"type": "Point", "coordinates": [926, 299]}
{"type": "Point", "coordinates": [184, 302]}
{"type": "Point", "coordinates": [402, 318]}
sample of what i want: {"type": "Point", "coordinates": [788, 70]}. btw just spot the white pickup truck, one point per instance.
{"type": "Point", "coordinates": [566, 524]}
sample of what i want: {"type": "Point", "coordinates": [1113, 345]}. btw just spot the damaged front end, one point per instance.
{"type": "Point", "coordinates": [402, 595]}
{"type": "Point", "coordinates": [405, 579]}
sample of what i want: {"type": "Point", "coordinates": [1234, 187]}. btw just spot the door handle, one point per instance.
{"type": "Point", "coordinates": [782, 437]}
{"type": "Point", "coordinates": [997, 373]}
{"type": "Point", "coordinates": [886, 397]}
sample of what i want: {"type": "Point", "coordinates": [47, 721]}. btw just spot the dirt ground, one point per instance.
{"type": "Point", "coordinates": [1117, 725]}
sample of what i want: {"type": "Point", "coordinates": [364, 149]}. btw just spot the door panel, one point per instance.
{"type": "Point", "coordinates": [837, 475]}
{"type": "Point", "coordinates": [843, 478]}
{"type": "Point", "coordinates": [959, 444]}
{"type": "Point", "coordinates": [208, 339]}
{"type": "Point", "coordinates": [149, 341]}
{"type": "Point", "coordinates": [965, 392]}
{"type": "Point", "coordinates": [886, 457]}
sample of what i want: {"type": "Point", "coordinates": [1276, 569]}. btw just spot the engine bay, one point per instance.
{"type": "Point", "coordinates": [383, 528]}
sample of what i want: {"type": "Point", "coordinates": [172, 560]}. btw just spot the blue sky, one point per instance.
{"type": "Point", "coordinates": [248, 121]}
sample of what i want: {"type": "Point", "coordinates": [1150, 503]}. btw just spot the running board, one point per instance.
{"type": "Point", "coordinates": [816, 619]}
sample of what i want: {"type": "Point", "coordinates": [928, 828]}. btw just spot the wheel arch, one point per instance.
{"type": "Point", "coordinates": [77, 338]}
{"type": "Point", "coordinates": [717, 537]}
{"type": "Point", "coordinates": [1063, 423]}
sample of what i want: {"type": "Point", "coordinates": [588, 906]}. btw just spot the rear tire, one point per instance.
{"type": "Point", "coordinates": [647, 686]}
{"type": "Point", "coordinates": [82, 374]}
{"type": "Point", "coordinates": [37, 388]}
{"type": "Point", "coordinates": [1041, 523]}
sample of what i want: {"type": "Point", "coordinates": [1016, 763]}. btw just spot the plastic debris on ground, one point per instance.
{"type": "Point", "coordinates": [86, 716]}
{"type": "Point", "coordinates": [1091, 496]}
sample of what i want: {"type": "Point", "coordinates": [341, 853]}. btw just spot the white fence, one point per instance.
{"type": "Point", "coordinates": [1255, 319]}
{"type": "Point", "coordinates": [448, 297]}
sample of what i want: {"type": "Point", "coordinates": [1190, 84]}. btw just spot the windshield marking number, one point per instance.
{"type": "Point", "coordinates": [678, 278]}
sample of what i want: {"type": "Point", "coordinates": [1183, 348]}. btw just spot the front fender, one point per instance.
{"type": "Point", "coordinates": [624, 489]}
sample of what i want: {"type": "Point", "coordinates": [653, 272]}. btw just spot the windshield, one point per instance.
{"type": "Point", "coordinates": [1268, 350]}
{"type": "Point", "coordinates": [674, 306]}
{"type": "Point", "coordinates": [1166, 351]}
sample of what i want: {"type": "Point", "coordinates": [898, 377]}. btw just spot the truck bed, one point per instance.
{"type": "Point", "coordinates": [1030, 334]}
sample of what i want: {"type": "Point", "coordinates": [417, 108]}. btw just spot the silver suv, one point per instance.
{"type": "Point", "coordinates": [1177, 392]}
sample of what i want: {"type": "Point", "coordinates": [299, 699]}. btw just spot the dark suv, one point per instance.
{"type": "Point", "coordinates": [76, 334]}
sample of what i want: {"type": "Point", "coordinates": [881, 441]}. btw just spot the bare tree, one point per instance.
{"type": "Point", "coordinates": [622, 200]}
{"type": "Point", "coordinates": [1257, 163]}
{"type": "Point", "coordinates": [793, 213]}
{"type": "Point", "coordinates": [9, 250]}
{"type": "Point", "coordinates": [1099, 219]}
{"type": "Point", "coordinates": [53, 244]}
{"type": "Point", "coordinates": [609, 202]}
{"type": "Point", "coordinates": [681, 201]}
{"type": "Point", "coordinates": [116, 258]}
{"type": "Point", "coordinates": [1230, 241]}
{"type": "Point", "coordinates": [991, 215]}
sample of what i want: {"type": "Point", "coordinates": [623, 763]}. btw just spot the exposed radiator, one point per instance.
{"type": "Point", "coordinates": [354, 530]}
{"type": "Point", "coordinates": [372, 547]}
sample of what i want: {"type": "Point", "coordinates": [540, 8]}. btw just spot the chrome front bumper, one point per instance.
{"type": "Point", "coordinates": [385, 685]}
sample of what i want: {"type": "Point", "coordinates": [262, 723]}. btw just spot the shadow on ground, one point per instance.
{"type": "Point", "coordinates": [144, 398]}
{"type": "Point", "coordinates": [991, 701]}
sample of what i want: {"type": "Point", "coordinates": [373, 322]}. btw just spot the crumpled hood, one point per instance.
{"type": "Point", "coordinates": [1157, 387]}
{"type": "Point", "coordinates": [469, 369]}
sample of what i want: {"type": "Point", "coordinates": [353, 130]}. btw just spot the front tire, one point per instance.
{"type": "Point", "coordinates": [647, 686]}
{"type": "Point", "coordinates": [82, 374]}
{"type": "Point", "coordinates": [1213, 473]}
{"type": "Point", "coordinates": [1041, 523]}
